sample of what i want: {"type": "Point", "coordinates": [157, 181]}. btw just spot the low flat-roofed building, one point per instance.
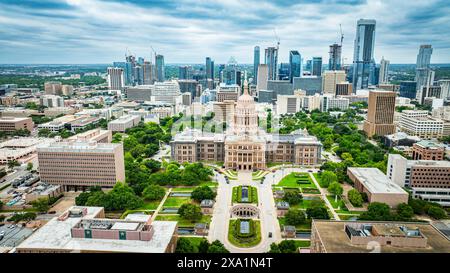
{"type": "Point", "coordinates": [11, 124]}
{"type": "Point", "coordinates": [86, 230]}
{"type": "Point", "coordinates": [377, 185]}
{"type": "Point", "coordinates": [42, 190]}
{"type": "Point", "coordinates": [123, 123]}
{"type": "Point", "coordinates": [428, 150]}
{"type": "Point", "coordinates": [21, 149]}
{"type": "Point", "coordinates": [382, 237]}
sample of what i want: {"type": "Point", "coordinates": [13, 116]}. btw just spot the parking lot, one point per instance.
{"type": "Point", "coordinates": [13, 236]}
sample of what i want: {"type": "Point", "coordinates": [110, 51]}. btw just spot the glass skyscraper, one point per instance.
{"type": "Point", "coordinates": [423, 66]}
{"type": "Point", "coordinates": [159, 63]}
{"type": "Point", "coordinates": [256, 59]}
{"type": "Point", "coordinates": [363, 64]}
{"type": "Point", "coordinates": [317, 66]}
{"type": "Point", "coordinates": [295, 65]}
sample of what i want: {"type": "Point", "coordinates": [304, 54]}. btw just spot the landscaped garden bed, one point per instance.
{"type": "Point", "coordinates": [244, 233]}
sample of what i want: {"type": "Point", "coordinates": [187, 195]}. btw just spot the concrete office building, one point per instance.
{"type": "Point", "coordinates": [228, 92]}
{"type": "Point", "coordinates": [316, 66]}
{"type": "Point", "coordinates": [98, 135]}
{"type": "Point", "coordinates": [380, 115]}
{"type": "Point", "coordinates": [11, 124]}
{"type": "Point", "coordinates": [418, 123]}
{"type": "Point", "coordinates": [53, 88]}
{"type": "Point", "coordinates": [139, 92]}
{"type": "Point", "coordinates": [123, 123]}
{"type": "Point", "coordinates": [51, 101]}
{"type": "Point", "coordinates": [377, 186]}
{"type": "Point", "coordinates": [86, 230]}
{"type": "Point", "coordinates": [67, 90]}
{"type": "Point", "coordinates": [256, 61]}
{"type": "Point", "coordinates": [330, 79]}
{"type": "Point", "coordinates": [384, 237]}
{"type": "Point", "coordinates": [162, 112]}
{"type": "Point", "coordinates": [428, 179]}
{"type": "Point", "coordinates": [311, 84]}
{"type": "Point", "coordinates": [116, 79]}
{"type": "Point", "coordinates": [263, 72]}
{"type": "Point", "coordinates": [383, 77]}
{"type": "Point", "coordinates": [81, 164]}
{"type": "Point", "coordinates": [445, 89]}
{"type": "Point", "coordinates": [344, 89]}
{"type": "Point", "coordinates": [330, 102]}
{"type": "Point", "coordinates": [166, 92]}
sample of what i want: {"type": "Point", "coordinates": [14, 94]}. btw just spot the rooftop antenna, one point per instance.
{"type": "Point", "coordinates": [276, 38]}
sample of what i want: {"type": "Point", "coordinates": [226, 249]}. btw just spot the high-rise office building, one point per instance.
{"type": "Point", "coordinates": [384, 69]}
{"type": "Point", "coordinates": [308, 65]}
{"type": "Point", "coordinates": [129, 70]}
{"type": "Point", "coordinates": [316, 66]}
{"type": "Point", "coordinates": [284, 71]}
{"type": "Point", "coordinates": [159, 62]}
{"type": "Point", "coordinates": [115, 78]}
{"type": "Point", "coordinates": [148, 72]}
{"type": "Point", "coordinates": [408, 89]}
{"type": "Point", "coordinates": [423, 68]}
{"type": "Point", "coordinates": [363, 63]}
{"type": "Point", "coordinates": [263, 74]}
{"type": "Point", "coordinates": [330, 79]}
{"type": "Point", "coordinates": [184, 72]}
{"type": "Point", "coordinates": [334, 62]}
{"type": "Point", "coordinates": [271, 60]}
{"type": "Point", "coordinates": [295, 65]}
{"type": "Point", "coordinates": [256, 60]}
{"type": "Point", "coordinates": [380, 113]}
{"type": "Point", "coordinates": [209, 71]}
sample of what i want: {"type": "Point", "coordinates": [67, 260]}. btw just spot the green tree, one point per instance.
{"type": "Point", "coordinates": [326, 178]}
{"type": "Point", "coordinates": [217, 247]}
{"type": "Point", "coordinates": [29, 166]}
{"type": "Point", "coordinates": [185, 245]}
{"type": "Point", "coordinates": [274, 248]}
{"type": "Point", "coordinates": [295, 217]}
{"type": "Point", "coordinates": [41, 205]}
{"type": "Point", "coordinates": [355, 198]}
{"type": "Point", "coordinates": [154, 192]}
{"type": "Point", "coordinates": [203, 246]}
{"type": "Point", "coordinates": [293, 197]}
{"type": "Point", "coordinates": [437, 212]}
{"type": "Point", "coordinates": [190, 212]}
{"type": "Point", "coordinates": [202, 193]}
{"type": "Point", "coordinates": [405, 211]}
{"type": "Point", "coordinates": [377, 212]}
{"type": "Point", "coordinates": [287, 246]}
{"type": "Point", "coordinates": [44, 132]}
{"type": "Point", "coordinates": [317, 213]}
{"type": "Point", "coordinates": [13, 163]}
{"type": "Point", "coordinates": [335, 188]}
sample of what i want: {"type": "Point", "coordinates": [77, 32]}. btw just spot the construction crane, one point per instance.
{"type": "Point", "coordinates": [154, 52]}
{"type": "Point", "coordinates": [277, 38]}
{"type": "Point", "coordinates": [342, 34]}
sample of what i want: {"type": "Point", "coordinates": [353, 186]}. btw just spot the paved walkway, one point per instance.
{"type": "Point", "coordinates": [324, 197]}
{"type": "Point", "coordinates": [155, 213]}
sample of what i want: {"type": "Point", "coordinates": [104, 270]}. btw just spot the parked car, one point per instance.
{"type": "Point", "coordinates": [270, 234]}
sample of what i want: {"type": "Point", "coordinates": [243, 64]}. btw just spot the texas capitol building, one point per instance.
{"type": "Point", "coordinates": [245, 146]}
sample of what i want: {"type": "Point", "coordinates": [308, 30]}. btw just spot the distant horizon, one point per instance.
{"type": "Point", "coordinates": [215, 64]}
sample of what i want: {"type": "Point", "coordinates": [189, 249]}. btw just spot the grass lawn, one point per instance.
{"type": "Point", "coordinates": [303, 227]}
{"type": "Point", "coordinates": [150, 205]}
{"type": "Point", "coordinates": [244, 242]}
{"type": "Point", "coordinates": [183, 189]}
{"type": "Point", "coordinates": [148, 212]}
{"type": "Point", "coordinates": [302, 243]}
{"type": "Point", "coordinates": [342, 211]}
{"type": "Point", "coordinates": [175, 202]}
{"type": "Point", "coordinates": [194, 240]}
{"type": "Point", "coordinates": [253, 195]}
{"type": "Point", "coordinates": [183, 222]}
{"type": "Point", "coordinates": [339, 203]}
{"type": "Point", "coordinates": [209, 183]}
{"type": "Point", "coordinates": [347, 216]}
{"type": "Point", "coordinates": [291, 180]}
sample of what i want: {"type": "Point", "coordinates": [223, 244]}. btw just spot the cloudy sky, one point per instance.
{"type": "Point", "coordinates": [185, 31]}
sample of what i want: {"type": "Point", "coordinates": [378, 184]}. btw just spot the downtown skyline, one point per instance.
{"type": "Point", "coordinates": [83, 32]}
